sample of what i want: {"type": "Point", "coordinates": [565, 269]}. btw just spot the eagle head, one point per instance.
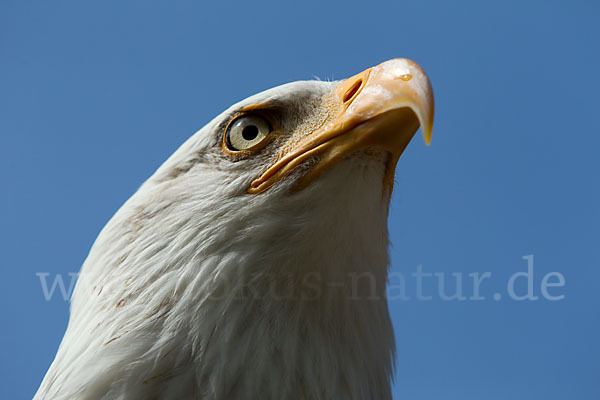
{"type": "Point", "coordinates": [253, 263]}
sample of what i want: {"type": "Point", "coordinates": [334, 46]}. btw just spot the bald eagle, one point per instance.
{"type": "Point", "coordinates": [253, 263]}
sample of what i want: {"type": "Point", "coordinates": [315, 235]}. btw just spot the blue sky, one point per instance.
{"type": "Point", "coordinates": [94, 96]}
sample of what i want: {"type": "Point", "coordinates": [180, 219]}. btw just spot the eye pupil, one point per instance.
{"type": "Point", "coordinates": [250, 132]}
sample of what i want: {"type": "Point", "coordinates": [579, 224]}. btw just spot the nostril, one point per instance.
{"type": "Point", "coordinates": [352, 91]}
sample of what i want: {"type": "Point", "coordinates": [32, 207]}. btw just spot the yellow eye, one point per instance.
{"type": "Point", "coordinates": [246, 132]}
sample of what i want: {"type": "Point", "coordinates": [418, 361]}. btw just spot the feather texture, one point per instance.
{"type": "Point", "coordinates": [197, 290]}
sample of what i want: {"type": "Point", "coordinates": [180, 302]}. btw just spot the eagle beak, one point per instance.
{"type": "Point", "coordinates": [381, 107]}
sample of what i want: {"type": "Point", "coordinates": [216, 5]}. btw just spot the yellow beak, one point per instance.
{"type": "Point", "coordinates": [381, 107]}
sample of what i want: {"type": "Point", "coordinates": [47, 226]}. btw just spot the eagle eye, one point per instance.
{"type": "Point", "coordinates": [246, 132]}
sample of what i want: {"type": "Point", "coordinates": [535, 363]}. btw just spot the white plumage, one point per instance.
{"type": "Point", "coordinates": [198, 289]}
